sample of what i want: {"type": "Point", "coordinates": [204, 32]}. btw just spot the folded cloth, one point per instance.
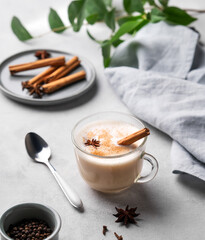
{"type": "Point", "coordinates": [159, 75]}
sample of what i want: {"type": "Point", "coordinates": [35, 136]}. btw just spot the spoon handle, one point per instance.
{"type": "Point", "coordinates": [71, 195]}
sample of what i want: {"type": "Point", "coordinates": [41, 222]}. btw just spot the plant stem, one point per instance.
{"type": "Point", "coordinates": [53, 30]}
{"type": "Point", "coordinates": [56, 29]}
{"type": "Point", "coordinates": [194, 10]}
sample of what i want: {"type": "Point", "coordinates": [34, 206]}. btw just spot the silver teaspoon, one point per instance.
{"type": "Point", "coordinates": [39, 151]}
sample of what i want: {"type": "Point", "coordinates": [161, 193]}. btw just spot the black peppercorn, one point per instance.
{"type": "Point", "coordinates": [29, 229]}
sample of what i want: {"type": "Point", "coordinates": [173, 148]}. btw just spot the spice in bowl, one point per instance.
{"type": "Point", "coordinates": [33, 229]}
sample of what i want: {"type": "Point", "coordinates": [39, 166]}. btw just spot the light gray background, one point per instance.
{"type": "Point", "coordinates": [172, 207]}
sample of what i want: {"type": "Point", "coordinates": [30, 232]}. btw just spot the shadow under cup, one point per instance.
{"type": "Point", "coordinates": [112, 173]}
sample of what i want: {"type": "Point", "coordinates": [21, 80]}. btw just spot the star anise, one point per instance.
{"type": "Point", "coordinates": [36, 90]}
{"type": "Point", "coordinates": [95, 143]}
{"type": "Point", "coordinates": [42, 54]}
{"type": "Point", "coordinates": [33, 88]}
{"type": "Point", "coordinates": [126, 216]}
{"type": "Point", "coordinates": [25, 85]}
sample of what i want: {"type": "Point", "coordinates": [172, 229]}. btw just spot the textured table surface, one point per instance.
{"type": "Point", "coordinates": [172, 207]}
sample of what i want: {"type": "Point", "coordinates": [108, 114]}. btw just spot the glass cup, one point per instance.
{"type": "Point", "coordinates": [112, 173]}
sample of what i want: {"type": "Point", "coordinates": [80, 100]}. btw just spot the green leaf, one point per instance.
{"type": "Point", "coordinates": [132, 18]}
{"type": "Point", "coordinates": [76, 14]}
{"type": "Point", "coordinates": [55, 22]}
{"type": "Point", "coordinates": [96, 7]}
{"type": "Point", "coordinates": [106, 47]}
{"type": "Point", "coordinates": [117, 42]}
{"type": "Point", "coordinates": [92, 18]}
{"type": "Point", "coordinates": [128, 27]}
{"type": "Point", "coordinates": [164, 3]}
{"type": "Point", "coordinates": [91, 10]}
{"type": "Point", "coordinates": [106, 62]}
{"type": "Point", "coordinates": [128, 18]}
{"type": "Point", "coordinates": [178, 16]}
{"type": "Point", "coordinates": [110, 19]}
{"type": "Point", "coordinates": [157, 15]}
{"type": "Point", "coordinates": [141, 24]}
{"type": "Point", "coordinates": [19, 30]}
{"type": "Point", "coordinates": [133, 6]}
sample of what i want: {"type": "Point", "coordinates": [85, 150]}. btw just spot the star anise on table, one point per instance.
{"type": "Point", "coordinates": [126, 216]}
{"type": "Point", "coordinates": [93, 142]}
{"type": "Point", "coordinates": [42, 54]}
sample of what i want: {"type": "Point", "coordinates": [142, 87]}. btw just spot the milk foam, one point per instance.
{"type": "Point", "coordinates": [108, 133]}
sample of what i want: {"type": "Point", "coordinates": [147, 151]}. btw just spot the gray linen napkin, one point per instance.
{"type": "Point", "coordinates": [159, 75]}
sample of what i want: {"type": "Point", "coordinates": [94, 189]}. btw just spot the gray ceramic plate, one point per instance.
{"type": "Point", "coordinates": [11, 85]}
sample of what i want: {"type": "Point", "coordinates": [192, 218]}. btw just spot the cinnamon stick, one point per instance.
{"type": "Point", "coordinates": [63, 70]}
{"type": "Point", "coordinates": [58, 61]}
{"type": "Point", "coordinates": [134, 137]}
{"type": "Point", "coordinates": [47, 72]}
{"type": "Point", "coordinates": [62, 82]}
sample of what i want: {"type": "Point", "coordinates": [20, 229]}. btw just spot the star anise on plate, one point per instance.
{"type": "Point", "coordinates": [36, 90]}
{"type": "Point", "coordinates": [25, 85]}
{"type": "Point", "coordinates": [42, 54]}
{"type": "Point", "coordinates": [93, 142]}
{"type": "Point", "coordinates": [126, 216]}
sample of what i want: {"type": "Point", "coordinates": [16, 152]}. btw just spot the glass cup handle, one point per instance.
{"type": "Point", "coordinates": [154, 170]}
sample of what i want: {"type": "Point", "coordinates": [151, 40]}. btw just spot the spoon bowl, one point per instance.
{"type": "Point", "coordinates": [37, 147]}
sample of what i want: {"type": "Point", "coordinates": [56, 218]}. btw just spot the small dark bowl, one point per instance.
{"type": "Point", "coordinates": [29, 211]}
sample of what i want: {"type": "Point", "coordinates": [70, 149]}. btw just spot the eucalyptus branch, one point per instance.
{"type": "Point", "coordinates": [88, 12]}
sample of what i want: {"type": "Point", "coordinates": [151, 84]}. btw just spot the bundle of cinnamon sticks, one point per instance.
{"type": "Point", "coordinates": [53, 78]}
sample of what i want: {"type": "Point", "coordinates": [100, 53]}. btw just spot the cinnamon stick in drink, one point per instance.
{"type": "Point", "coordinates": [134, 137]}
{"type": "Point", "coordinates": [58, 61]}
{"type": "Point", "coordinates": [62, 82]}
